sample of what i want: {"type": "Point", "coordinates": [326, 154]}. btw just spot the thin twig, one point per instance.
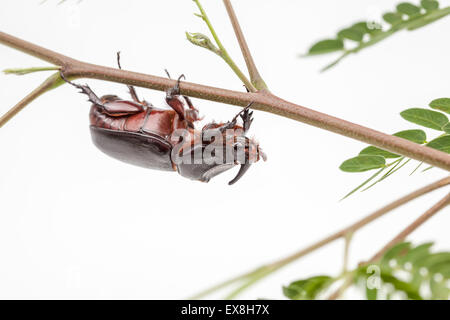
{"type": "Point", "coordinates": [223, 52]}
{"type": "Point", "coordinates": [275, 266]}
{"type": "Point", "coordinates": [348, 281]}
{"type": "Point", "coordinates": [52, 82]}
{"type": "Point", "coordinates": [221, 285]}
{"type": "Point", "coordinates": [262, 101]}
{"type": "Point", "coordinates": [348, 239]}
{"type": "Point", "coordinates": [255, 77]}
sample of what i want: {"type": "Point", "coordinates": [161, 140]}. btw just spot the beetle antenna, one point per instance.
{"type": "Point", "coordinates": [168, 74]}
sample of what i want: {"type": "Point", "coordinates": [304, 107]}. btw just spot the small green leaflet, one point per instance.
{"type": "Point", "coordinates": [393, 18]}
{"type": "Point", "coordinates": [351, 34]}
{"type": "Point", "coordinates": [363, 163]}
{"type": "Point", "coordinates": [442, 104]}
{"type": "Point", "coordinates": [415, 135]}
{"type": "Point", "coordinates": [429, 5]}
{"type": "Point", "coordinates": [441, 143]}
{"type": "Point", "coordinates": [307, 289]}
{"type": "Point", "coordinates": [408, 9]}
{"type": "Point", "coordinates": [446, 128]}
{"type": "Point", "coordinates": [374, 151]}
{"type": "Point", "coordinates": [424, 117]}
{"type": "Point", "coordinates": [326, 46]}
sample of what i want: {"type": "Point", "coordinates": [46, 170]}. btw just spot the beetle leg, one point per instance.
{"type": "Point", "coordinates": [192, 114]}
{"type": "Point", "coordinates": [132, 90]}
{"type": "Point", "coordinates": [92, 97]}
{"type": "Point", "coordinates": [172, 99]}
{"type": "Point", "coordinates": [246, 117]}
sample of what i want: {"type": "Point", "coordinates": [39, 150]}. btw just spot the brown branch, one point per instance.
{"type": "Point", "coordinates": [262, 101]}
{"type": "Point", "coordinates": [274, 266]}
{"type": "Point", "coordinates": [255, 77]}
{"type": "Point", "coordinates": [50, 83]}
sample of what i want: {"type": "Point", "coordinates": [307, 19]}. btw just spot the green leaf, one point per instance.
{"type": "Point", "coordinates": [424, 117]}
{"type": "Point", "coordinates": [414, 135]}
{"type": "Point", "coordinates": [351, 34]}
{"type": "Point", "coordinates": [374, 151]}
{"type": "Point", "coordinates": [408, 9]}
{"type": "Point", "coordinates": [361, 27]}
{"type": "Point", "coordinates": [307, 289]}
{"type": "Point", "coordinates": [363, 163]}
{"type": "Point", "coordinates": [416, 254]}
{"type": "Point", "coordinates": [371, 294]}
{"type": "Point", "coordinates": [429, 5]}
{"type": "Point", "coordinates": [445, 271]}
{"type": "Point", "coordinates": [434, 262]}
{"type": "Point", "coordinates": [439, 289]}
{"type": "Point", "coordinates": [446, 128]}
{"type": "Point", "coordinates": [441, 143]}
{"type": "Point", "coordinates": [442, 104]}
{"type": "Point", "coordinates": [411, 291]}
{"type": "Point", "coordinates": [393, 18]}
{"type": "Point", "coordinates": [411, 262]}
{"type": "Point", "coordinates": [326, 46]}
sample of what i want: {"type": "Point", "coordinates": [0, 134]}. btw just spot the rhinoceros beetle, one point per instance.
{"type": "Point", "coordinates": [138, 133]}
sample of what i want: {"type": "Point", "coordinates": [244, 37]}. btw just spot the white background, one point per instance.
{"type": "Point", "coordinates": [77, 224]}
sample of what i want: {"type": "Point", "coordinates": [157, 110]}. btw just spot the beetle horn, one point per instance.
{"type": "Point", "coordinates": [242, 171]}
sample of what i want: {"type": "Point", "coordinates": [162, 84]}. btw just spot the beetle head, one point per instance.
{"type": "Point", "coordinates": [213, 152]}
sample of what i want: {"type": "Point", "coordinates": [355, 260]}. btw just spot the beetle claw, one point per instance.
{"type": "Point", "coordinates": [246, 117]}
